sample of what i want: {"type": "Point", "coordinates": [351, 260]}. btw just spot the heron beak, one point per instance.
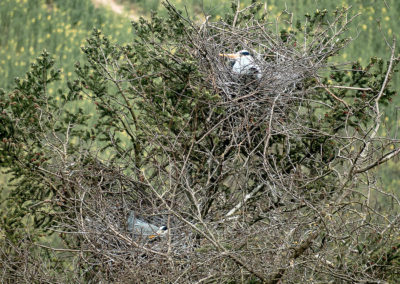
{"type": "Point", "coordinates": [231, 55]}
{"type": "Point", "coordinates": [153, 236]}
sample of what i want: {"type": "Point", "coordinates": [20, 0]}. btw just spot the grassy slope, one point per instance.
{"type": "Point", "coordinates": [61, 27]}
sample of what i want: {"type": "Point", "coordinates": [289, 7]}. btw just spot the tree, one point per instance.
{"type": "Point", "coordinates": [258, 179]}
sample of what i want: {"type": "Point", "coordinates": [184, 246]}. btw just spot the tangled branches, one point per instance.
{"type": "Point", "coordinates": [259, 171]}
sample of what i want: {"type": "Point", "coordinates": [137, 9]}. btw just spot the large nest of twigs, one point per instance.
{"type": "Point", "coordinates": [107, 200]}
{"type": "Point", "coordinates": [278, 79]}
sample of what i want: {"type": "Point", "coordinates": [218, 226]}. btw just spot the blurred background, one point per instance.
{"type": "Point", "coordinates": [62, 26]}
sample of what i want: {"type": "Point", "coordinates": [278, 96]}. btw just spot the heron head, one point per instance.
{"type": "Point", "coordinates": [236, 55]}
{"type": "Point", "coordinates": [161, 231]}
{"type": "Point", "coordinates": [244, 53]}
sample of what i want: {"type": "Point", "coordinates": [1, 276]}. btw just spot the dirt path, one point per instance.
{"type": "Point", "coordinates": [116, 8]}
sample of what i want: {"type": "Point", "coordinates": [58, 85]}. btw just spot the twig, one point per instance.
{"type": "Point", "coordinates": [63, 249]}
{"type": "Point", "coordinates": [246, 197]}
{"type": "Point", "coordinates": [383, 87]}
{"type": "Point", "coordinates": [335, 97]}
{"type": "Point", "coordinates": [378, 162]}
{"type": "Point", "coordinates": [345, 87]}
{"type": "Point", "coordinates": [236, 13]}
{"type": "Point", "coordinates": [298, 251]}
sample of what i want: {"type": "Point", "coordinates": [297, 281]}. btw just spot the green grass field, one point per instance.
{"type": "Point", "coordinates": [61, 27]}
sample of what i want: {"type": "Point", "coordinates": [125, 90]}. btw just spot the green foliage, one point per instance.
{"type": "Point", "coordinates": [27, 212]}
{"type": "Point", "coordinates": [21, 149]}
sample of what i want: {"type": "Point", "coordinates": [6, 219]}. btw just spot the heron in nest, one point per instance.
{"type": "Point", "coordinates": [143, 228]}
{"type": "Point", "coordinates": [243, 63]}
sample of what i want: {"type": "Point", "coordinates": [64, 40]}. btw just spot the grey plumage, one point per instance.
{"type": "Point", "coordinates": [142, 228]}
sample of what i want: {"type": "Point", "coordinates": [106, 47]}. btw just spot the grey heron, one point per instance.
{"type": "Point", "coordinates": [143, 228]}
{"type": "Point", "coordinates": [244, 63]}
